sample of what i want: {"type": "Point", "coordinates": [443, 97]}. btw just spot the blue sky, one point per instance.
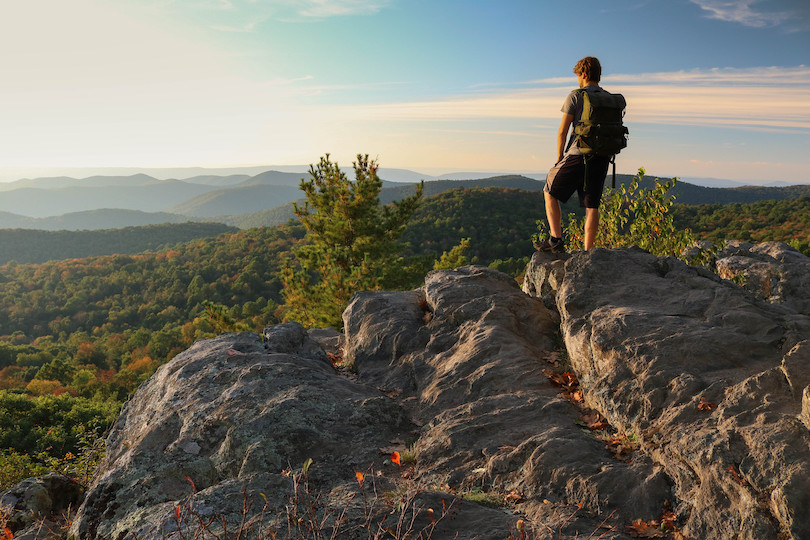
{"type": "Point", "coordinates": [715, 88]}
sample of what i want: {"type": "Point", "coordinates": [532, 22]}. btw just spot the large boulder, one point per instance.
{"type": "Point", "coordinates": [468, 353]}
{"type": "Point", "coordinates": [226, 425]}
{"type": "Point", "coordinates": [711, 380]}
{"type": "Point", "coordinates": [33, 507]}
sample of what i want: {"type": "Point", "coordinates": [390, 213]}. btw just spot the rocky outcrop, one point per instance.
{"type": "Point", "coordinates": [469, 352]}
{"type": "Point", "coordinates": [624, 391]}
{"type": "Point", "coordinates": [711, 380]}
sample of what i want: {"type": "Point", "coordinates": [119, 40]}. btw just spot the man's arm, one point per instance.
{"type": "Point", "coordinates": [562, 134]}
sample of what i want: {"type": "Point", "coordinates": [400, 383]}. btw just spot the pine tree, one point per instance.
{"type": "Point", "coordinates": [350, 244]}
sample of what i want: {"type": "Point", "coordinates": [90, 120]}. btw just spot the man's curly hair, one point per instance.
{"type": "Point", "coordinates": [590, 68]}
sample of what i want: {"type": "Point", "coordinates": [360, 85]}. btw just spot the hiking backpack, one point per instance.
{"type": "Point", "coordinates": [601, 131]}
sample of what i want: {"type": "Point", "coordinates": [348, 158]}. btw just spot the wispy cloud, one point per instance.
{"type": "Point", "coordinates": [697, 98]}
{"type": "Point", "coordinates": [323, 89]}
{"type": "Point", "coordinates": [758, 14]}
{"type": "Point", "coordinates": [332, 8]}
{"type": "Point", "coordinates": [759, 76]}
{"type": "Point", "coordinates": [249, 13]}
{"type": "Point", "coordinates": [762, 108]}
{"type": "Point", "coordinates": [245, 27]}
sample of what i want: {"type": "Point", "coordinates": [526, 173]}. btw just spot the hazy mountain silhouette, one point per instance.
{"type": "Point", "coordinates": [103, 218]}
{"type": "Point", "coordinates": [58, 182]}
{"type": "Point", "coordinates": [237, 200]}
{"type": "Point", "coordinates": [262, 199]}
{"type": "Point", "coordinates": [151, 197]}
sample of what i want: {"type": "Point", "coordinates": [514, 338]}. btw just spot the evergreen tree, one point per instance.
{"type": "Point", "coordinates": [350, 244]}
{"type": "Point", "coordinates": [455, 257]}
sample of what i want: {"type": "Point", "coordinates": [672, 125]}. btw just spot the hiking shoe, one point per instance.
{"type": "Point", "coordinates": [552, 246]}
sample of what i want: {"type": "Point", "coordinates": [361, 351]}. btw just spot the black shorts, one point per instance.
{"type": "Point", "coordinates": [568, 176]}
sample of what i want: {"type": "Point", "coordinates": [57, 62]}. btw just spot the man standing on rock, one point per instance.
{"type": "Point", "coordinates": [569, 173]}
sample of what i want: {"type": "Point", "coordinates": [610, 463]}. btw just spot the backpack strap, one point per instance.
{"type": "Point", "coordinates": [587, 157]}
{"type": "Point", "coordinates": [613, 161]}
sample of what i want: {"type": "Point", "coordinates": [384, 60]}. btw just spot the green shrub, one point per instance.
{"type": "Point", "coordinates": [633, 216]}
{"type": "Point", "coordinates": [50, 424]}
{"type": "Point", "coordinates": [16, 467]}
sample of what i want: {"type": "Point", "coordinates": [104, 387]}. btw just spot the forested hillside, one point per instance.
{"type": "Point", "coordinates": [113, 319]}
{"type": "Point", "coordinates": [34, 246]}
{"type": "Point", "coordinates": [783, 220]}
{"type": "Point", "coordinates": [499, 223]}
{"type": "Point", "coordinates": [77, 336]}
{"type": "Point", "coordinates": [237, 200]}
{"type": "Point", "coordinates": [93, 328]}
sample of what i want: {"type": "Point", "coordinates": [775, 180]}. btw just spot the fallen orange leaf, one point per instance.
{"type": "Point", "coordinates": [335, 359]}
{"type": "Point", "coordinates": [567, 379]}
{"type": "Point", "coordinates": [736, 475]}
{"type": "Point", "coordinates": [594, 421]}
{"type": "Point", "coordinates": [514, 495]}
{"type": "Point", "coordinates": [521, 528]}
{"type": "Point", "coordinates": [669, 520]}
{"type": "Point", "coordinates": [645, 529]}
{"type": "Point", "coordinates": [395, 458]}
{"type": "Point", "coordinates": [7, 534]}
{"type": "Point", "coordinates": [706, 405]}
{"type": "Point", "coordinates": [621, 446]}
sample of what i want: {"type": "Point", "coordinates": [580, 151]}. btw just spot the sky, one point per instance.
{"type": "Point", "coordinates": [715, 88]}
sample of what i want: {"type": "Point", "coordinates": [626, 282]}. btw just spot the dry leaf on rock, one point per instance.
{"type": "Point", "coordinates": [735, 474]}
{"type": "Point", "coordinates": [566, 379]}
{"type": "Point", "coordinates": [621, 446]}
{"type": "Point", "coordinates": [706, 405]}
{"type": "Point", "coordinates": [645, 529]}
{"type": "Point", "coordinates": [514, 496]}
{"type": "Point", "coordinates": [593, 421]}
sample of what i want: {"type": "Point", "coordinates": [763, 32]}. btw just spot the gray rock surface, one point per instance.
{"type": "Point", "coordinates": [230, 415]}
{"type": "Point", "coordinates": [30, 505]}
{"type": "Point", "coordinates": [467, 352]}
{"type": "Point", "coordinates": [711, 380]}
{"type": "Point", "coordinates": [544, 276]}
{"type": "Point", "coordinates": [773, 271]}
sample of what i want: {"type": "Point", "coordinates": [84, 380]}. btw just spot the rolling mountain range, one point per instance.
{"type": "Point", "coordinates": [241, 200]}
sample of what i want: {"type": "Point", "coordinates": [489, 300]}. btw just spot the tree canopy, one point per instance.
{"type": "Point", "coordinates": [350, 243]}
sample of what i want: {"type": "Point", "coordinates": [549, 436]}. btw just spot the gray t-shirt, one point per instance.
{"type": "Point", "coordinates": [573, 105]}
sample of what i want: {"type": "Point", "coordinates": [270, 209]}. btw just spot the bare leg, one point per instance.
{"type": "Point", "coordinates": [591, 226]}
{"type": "Point", "coordinates": [553, 215]}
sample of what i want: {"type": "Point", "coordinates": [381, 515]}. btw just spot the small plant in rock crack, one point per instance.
{"type": "Point", "coordinates": [523, 530]}
{"type": "Point", "coordinates": [81, 466]}
{"type": "Point", "coordinates": [366, 513]}
{"type": "Point", "coordinates": [191, 522]}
